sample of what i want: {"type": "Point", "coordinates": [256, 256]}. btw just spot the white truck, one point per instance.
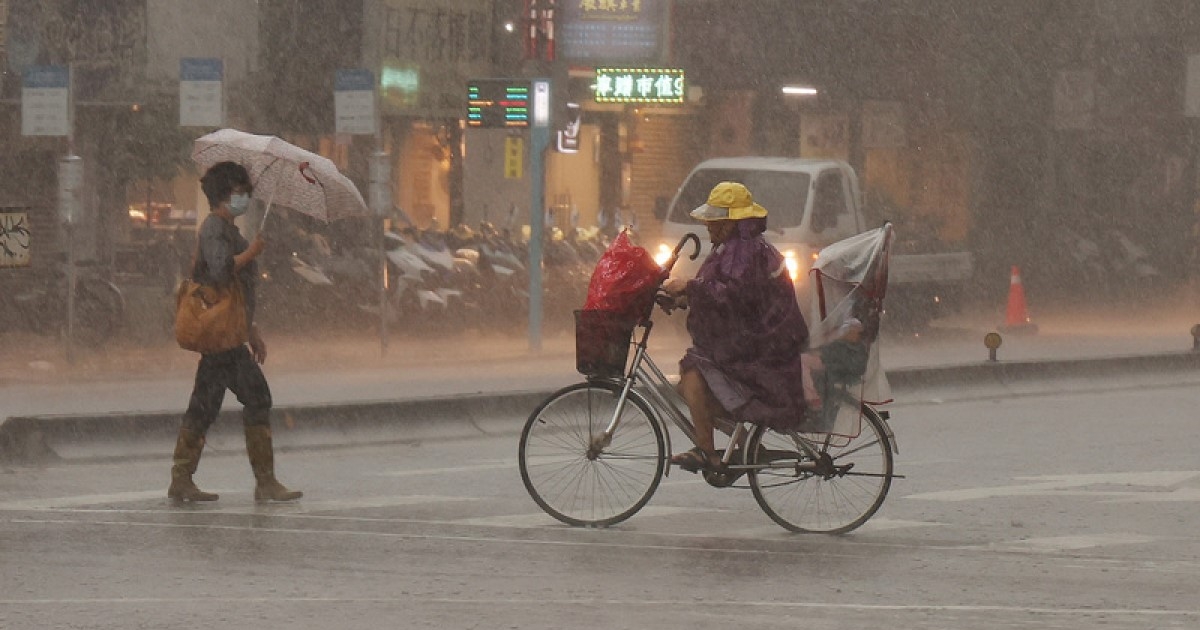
{"type": "Point", "coordinates": [812, 203]}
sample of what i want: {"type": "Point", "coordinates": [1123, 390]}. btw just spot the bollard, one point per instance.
{"type": "Point", "coordinates": [992, 341]}
{"type": "Point", "coordinates": [1196, 337]}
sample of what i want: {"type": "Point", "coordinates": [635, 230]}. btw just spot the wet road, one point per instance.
{"type": "Point", "coordinates": [1060, 510]}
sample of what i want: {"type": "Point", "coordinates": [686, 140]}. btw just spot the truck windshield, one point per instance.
{"type": "Point", "coordinates": [782, 193]}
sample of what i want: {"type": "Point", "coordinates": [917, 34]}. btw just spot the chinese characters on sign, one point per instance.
{"type": "Point", "coordinates": [425, 49]}
{"type": "Point", "coordinates": [639, 85]}
{"type": "Point", "coordinates": [614, 30]}
{"type": "Point", "coordinates": [514, 157]}
{"type": "Point", "coordinates": [436, 33]}
{"type": "Point", "coordinates": [610, 7]}
{"type": "Point", "coordinates": [14, 239]}
{"type": "Point", "coordinates": [498, 103]}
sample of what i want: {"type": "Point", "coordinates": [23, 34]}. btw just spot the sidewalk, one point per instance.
{"type": "Point", "coordinates": [35, 377]}
{"type": "Point", "coordinates": [336, 382]}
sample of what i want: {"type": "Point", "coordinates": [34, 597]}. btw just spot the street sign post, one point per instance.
{"type": "Point", "coordinates": [354, 101]}
{"type": "Point", "coordinates": [45, 101]}
{"type": "Point", "coordinates": [70, 204]}
{"type": "Point", "coordinates": [539, 137]}
{"type": "Point", "coordinates": [201, 96]}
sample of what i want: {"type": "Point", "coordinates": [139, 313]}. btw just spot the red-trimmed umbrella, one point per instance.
{"type": "Point", "coordinates": [283, 173]}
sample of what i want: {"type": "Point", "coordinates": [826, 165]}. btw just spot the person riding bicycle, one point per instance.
{"type": "Point", "coordinates": [747, 330]}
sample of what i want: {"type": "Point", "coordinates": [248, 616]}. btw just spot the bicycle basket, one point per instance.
{"type": "Point", "coordinates": [602, 342]}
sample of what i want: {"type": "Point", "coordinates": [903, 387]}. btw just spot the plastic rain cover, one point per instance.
{"type": "Point", "coordinates": [851, 281]}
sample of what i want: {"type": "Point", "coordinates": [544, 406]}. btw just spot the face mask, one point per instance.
{"type": "Point", "coordinates": [239, 203]}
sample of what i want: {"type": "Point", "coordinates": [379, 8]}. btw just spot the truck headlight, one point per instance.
{"type": "Point", "coordinates": [793, 265]}
{"type": "Point", "coordinates": [662, 254]}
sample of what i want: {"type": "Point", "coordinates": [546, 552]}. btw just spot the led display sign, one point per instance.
{"type": "Point", "coordinates": [661, 86]}
{"type": "Point", "coordinates": [498, 103]}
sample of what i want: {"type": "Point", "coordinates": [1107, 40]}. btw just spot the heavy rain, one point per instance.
{"type": "Point", "coordinates": [424, 222]}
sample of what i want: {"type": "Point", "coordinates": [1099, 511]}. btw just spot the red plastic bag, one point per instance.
{"type": "Point", "coordinates": [624, 280]}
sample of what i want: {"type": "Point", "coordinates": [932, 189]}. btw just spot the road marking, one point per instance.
{"type": "Point", "coordinates": [427, 537]}
{"type": "Point", "coordinates": [503, 465]}
{"type": "Point", "coordinates": [1059, 544]}
{"type": "Point", "coordinates": [291, 507]}
{"type": "Point", "coordinates": [84, 500]}
{"type": "Point", "coordinates": [876, 524]}
{"type": "Point", "coordinates": [527, 604]}
{"type": "Point", "coordinates": [357, 503]}
{"type": "Point", "coordinates": [1152, 483]}
{"type": "Point", "coordinates": [1176, 495]}
{"type": "Point", "coordinates": [823, 547]}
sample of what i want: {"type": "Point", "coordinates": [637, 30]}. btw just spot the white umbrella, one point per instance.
{"type": "Point", "coordinates": [283, 173]}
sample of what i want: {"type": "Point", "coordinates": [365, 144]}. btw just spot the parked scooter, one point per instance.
{"type": "Point", "coordinates": [1110, 264]}
{"type": "Point", "coordinates": [1132, 258]}
{"type": "Point", "coordinates": [416, 298]}
{"type": "Point", "coordinates": [293, 290]}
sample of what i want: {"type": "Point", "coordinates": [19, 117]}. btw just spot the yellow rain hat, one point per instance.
{"type": "Point", "coordinates": [729, 201]}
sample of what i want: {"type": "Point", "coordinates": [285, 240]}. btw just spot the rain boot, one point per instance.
{"type": "Point", "coordinates": [262, 462]}
{"type": "Point", "coordinates": [187, 458]}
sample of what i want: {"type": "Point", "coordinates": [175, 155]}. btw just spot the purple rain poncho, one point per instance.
{"type": "Point", "coordinates": [747, 331]}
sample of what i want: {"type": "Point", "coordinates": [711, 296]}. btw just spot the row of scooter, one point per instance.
{"type": "Point", "coordinates": [437, 281]}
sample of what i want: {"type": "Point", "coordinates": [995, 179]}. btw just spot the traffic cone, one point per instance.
{"type": "Point", "coordinates": [1017, 319]}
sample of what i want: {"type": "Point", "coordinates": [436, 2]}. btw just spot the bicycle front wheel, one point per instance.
{"type": "Point", "coordinates": [833, 492]}
{"type": "Point", "coordinates": [573, 473]}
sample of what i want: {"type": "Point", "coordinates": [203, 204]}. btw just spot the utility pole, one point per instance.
{"type": "Point", "coordinates": [539, 135]}
{"type": "Point", "coordinates": [70, 186]}
{"type": "Point", "coordinates": [540, 57]}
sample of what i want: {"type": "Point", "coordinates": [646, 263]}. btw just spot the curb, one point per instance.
{"type": "Point", "coordinates": [1017, 371]}
{"type": "Point", "coordinates": [38, 439]}
{"type": "Point", "coordinates": [34, 439]}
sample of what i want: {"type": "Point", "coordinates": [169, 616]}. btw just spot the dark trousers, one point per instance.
{"type": "Point", "coordinates": [236, 371]}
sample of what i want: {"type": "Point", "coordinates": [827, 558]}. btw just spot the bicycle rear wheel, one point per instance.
{"type": "Point", "coordinates": [832, 494]}
{"type": "Point", "coordinates": [572, 475]}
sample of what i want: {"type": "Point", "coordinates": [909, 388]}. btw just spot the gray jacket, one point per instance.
{"type": "Point", "coordinates": [219, 242]}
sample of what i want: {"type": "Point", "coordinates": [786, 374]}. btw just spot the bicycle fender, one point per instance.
{"type": "Point", "coordinates": [883, 419]}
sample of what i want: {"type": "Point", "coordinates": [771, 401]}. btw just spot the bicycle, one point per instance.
{"type": "Point", "coordinates": [594, 453]}
{"type": "Point", "coordinates": [39, 298]}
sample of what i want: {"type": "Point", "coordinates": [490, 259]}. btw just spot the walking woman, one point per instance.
{"type": "Point", "coordinates": [222, 255]}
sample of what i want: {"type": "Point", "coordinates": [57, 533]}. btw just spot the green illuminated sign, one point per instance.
{"type": "Point", "coordinates": [400, 84]}
{"type": "Point", "coordinates": [639, 85]}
